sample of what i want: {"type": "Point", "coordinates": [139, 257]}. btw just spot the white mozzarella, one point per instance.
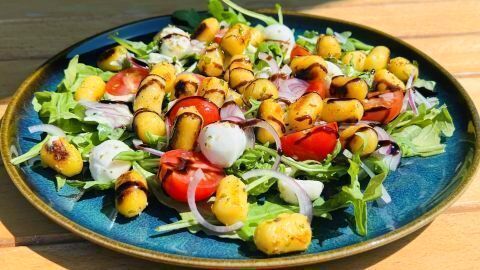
{"type": "Point", "coordinates": [102, 166]}
{"type": "Point", "coordinates": [222, 143]}
{"type": "Point", "coordinates": [311, 187]}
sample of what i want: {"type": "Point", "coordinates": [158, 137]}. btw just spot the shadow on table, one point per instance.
{"type": "Point", "coordinates": [85, 256]}
{"type": "Point", "coordinates": [26, 224]}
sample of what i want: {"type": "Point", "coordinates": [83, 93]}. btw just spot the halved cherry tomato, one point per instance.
{"type": "Point", "coordinates": [318, 87]}
{"type": "Point", "coordinates": [126, 82]}
{"type": "Point", "coordinates": [220, 34]}
{"type": "Point", "coordinates": [209, 111]}
{"type": "Point", "coordinates": [311, 144]}
{"type": "Point", "coordinates": [299, 51]}
{"type": "Point", "coordinates": [383, 108]}
{"type": "Point", "coordinates": [177, 168]}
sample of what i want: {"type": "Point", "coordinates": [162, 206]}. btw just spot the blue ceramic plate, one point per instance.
{"type": "Point", "coordinates": [420, 189]}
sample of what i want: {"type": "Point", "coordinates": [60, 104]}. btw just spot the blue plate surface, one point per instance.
{"type": "Point", "coordinates": [419, 188]}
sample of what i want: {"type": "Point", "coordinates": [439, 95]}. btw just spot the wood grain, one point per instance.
{"type": "Point", "coordinates": [442, 245]}
{"type": "Point", "coordinates": [57, 29]}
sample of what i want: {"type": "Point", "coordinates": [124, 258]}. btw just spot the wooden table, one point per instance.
{"type": "Point", "coordinates": [33, 31]}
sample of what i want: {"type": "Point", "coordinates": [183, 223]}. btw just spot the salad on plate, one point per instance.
{"type": "Point", "coordinates": [249, 131]}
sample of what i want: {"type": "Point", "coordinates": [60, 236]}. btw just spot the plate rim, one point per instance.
{"type": "Point", "coordinates": [182, 260]}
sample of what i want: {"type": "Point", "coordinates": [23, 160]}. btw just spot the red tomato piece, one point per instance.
{"type": "Point", "coordinates": [384, 107]}
{"type": "Point", "coordinates": [318, 87]}
{"type": "Point", "coordinates": [209, 111]}
{"type": "Point", "coordinates": [299, 51]}
{"type": "Point", "coordinates": [311, 144]}
{"type": "Point", "coordinates": [126, 82]}
{"type": "Point", "coordinates": [177, 168]}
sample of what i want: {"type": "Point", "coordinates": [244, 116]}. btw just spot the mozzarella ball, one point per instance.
{"type": "Point", "coordinates": [102, 166]}
{"type": "Point", "coordinates": [174, 42]}
{"type": "Point", "coordinates": [222, 143]}
{"type": "Point", "coordinates": [280, 32]}
{"type": "Point", "coordinates": [311, 187]}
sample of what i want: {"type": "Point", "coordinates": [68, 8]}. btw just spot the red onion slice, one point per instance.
{"type": "Point", "coordinates": [391, 160]}
{"type": "Point", "coordinates": [250, 134]}
{"type": "Point", "coordinates": [304, 202]}
{"type": "Point", "coordinates": [231, 112]}
{"type": "Point", "coordinates": [367, 170]}
{"type": "Point", "coordinates": [263, 124]}
{"type": "Point", "coordinates": [135, 62]}
{"type": "Point", "coordinates": [168, 129]}
{"type": "Point", "coordinates": [409, 99]}
{"type": "Point", "coordinates": [286, 70]}
{"type": "Point", "coordinates": [222, 31]}
{"type": "Point", "coordinates": [270, 61]}
{"type": "Point", "coordinates": [114, 115]}
{"type": "Point", "coordinates": [192, 187]}
{"type": "Point", "coordinates": [385, 198]}
{"type": "Point", "coordinates": [291, 89]}
{"type": "Point", "coordinates": [48, 128]}
{"type": "Point", "coordinates": [381, 133]}
{"type": "Point", "coordinates": [141, 146]}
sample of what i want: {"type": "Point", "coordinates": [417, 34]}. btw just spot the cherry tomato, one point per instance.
{"type": "Point", "coordinates": [177, 168]}
{"type": "Point", "coordinates": [311, 144]}
{"type": "Point", "coordinates": [126, 82]}
{"type": "Point", "coordinates": [209, 111]}
{"type": "Point", "coordinates": [299, 51]}
{"type": "Point", "coordinates": [217, 40]}
{"type": "Point", "coordinates": [384, 107]}
{"type": "Point", "coordinates": [318, 87]}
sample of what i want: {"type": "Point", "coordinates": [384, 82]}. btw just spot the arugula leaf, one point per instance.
{"type": "Point", "coordinates": [85, 185]}
{"type": "Point", "coordinates": [421, 83]}
{"type": "Point", "coordinates": [266, 19]}
{"type": "Point", "coordinates": [187, 19]}
{"type": "Point", "coordinates": [352, 194]}
{"type": "Point", "coordinates": [216, 9]}
{"type": "Point", "coordinates": [60, 182]}
{"type": "Point", "coordinates": [107, 132]}
{"type": "Point", "coordinates": [76, 72]}
{"type": "Point", "coordinates": [348, 43]}
{"type": "Point", "coordinates": [85, 142]}
{"type": "Point", "coordinates": [252, 158]}
{"type": "Point", "coordinates": [89, 185]}
{"type": "Point", "coordinates": [253, 110]}
{"type": "Point", "coordinates": [373, 190]}
{"type": "Point", "coordinates": [132, 155]}
{"type": "Point", "coordinates": [60, 109]}
{"type": "Point", "coordinates": [271, 48]}
{"type": "Point", "coordinates": [139, 48]}
{"type": "Point", "coordinates": [420, 134]}
{"type": "Point", "coordinates": [258, 212]}
{"type": "Point", "coordinates": [416, 141]}
{"type": "Point", "coordinates": [425, 117]}
{"type": "Point", "coordinates": [308, 40]}
{"type": "Point", "coordinates": [33, 152]}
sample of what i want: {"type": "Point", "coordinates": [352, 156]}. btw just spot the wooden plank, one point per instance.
{"type": "Point", "coordinates": [457, 54]}
{"type": "Point", "coordinates": [21, 223]}
{"type": "Point", "coordinates": [442, 245]}
{"type": "Point", "coordinates": [25, 9]}
{"type": "Point", "coordinates": [14, 72]}
{"type": "Point", "coordinates": [415, 19]}
{"type": "Point", "coordinates": [409, 19]}
{"type": "Point", "coordinates": [450, 242]}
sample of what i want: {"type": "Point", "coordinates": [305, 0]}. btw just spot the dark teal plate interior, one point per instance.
{"type": "Point", "coordinates": [417, 188]}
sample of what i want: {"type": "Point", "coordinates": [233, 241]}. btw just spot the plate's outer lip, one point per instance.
{"type": "Point", "coordinates": [292, 260]}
